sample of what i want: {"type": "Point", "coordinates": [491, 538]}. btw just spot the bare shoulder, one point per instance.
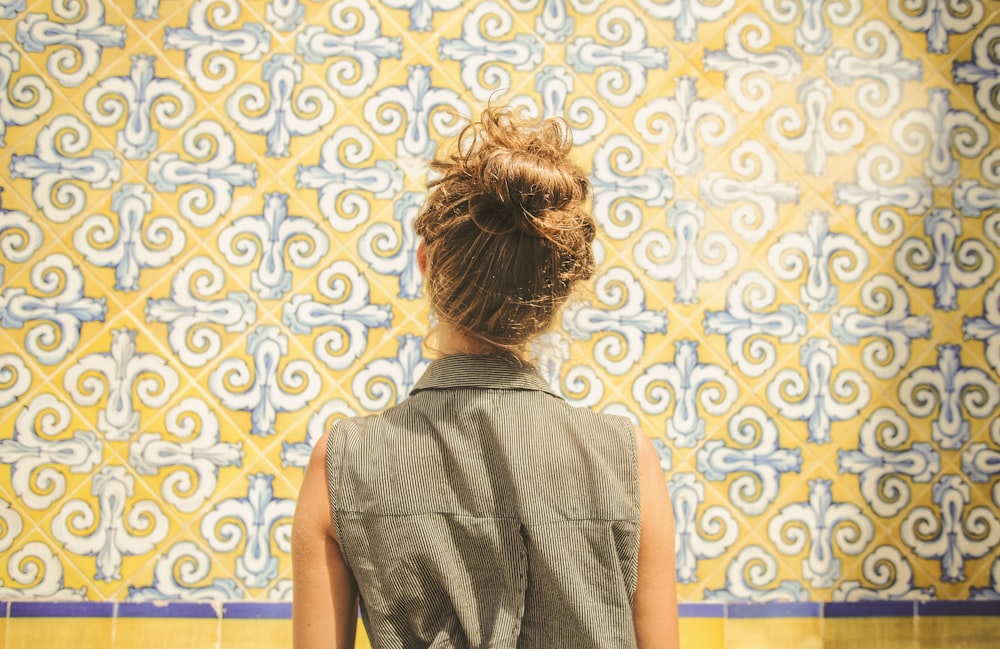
{"type": "Point", "coordinates": [648, 458]}
{"type": "Point", "coordinates": [313, 505]}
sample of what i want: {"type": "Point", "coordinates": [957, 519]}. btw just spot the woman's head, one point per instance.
{"type": "Point", "coordinates": [506, 231]}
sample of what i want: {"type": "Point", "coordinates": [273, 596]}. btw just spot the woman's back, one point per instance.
{"type": "Point", "coordinates": [485, 511]}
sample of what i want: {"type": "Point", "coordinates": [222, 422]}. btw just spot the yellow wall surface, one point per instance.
{"type": "Point", "coordinates": [208, 257]}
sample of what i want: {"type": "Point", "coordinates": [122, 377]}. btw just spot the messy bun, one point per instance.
{"type": "Point", "coordinates": [505, 228]}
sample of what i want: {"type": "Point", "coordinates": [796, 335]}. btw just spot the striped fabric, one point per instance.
{"type": "Point", "coordinates": [484, 511]}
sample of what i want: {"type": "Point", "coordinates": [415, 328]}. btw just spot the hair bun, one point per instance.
{"type": "Point", "coordinates": [527, 170]}
{"type": "Point", "coordinates": [506, 228]}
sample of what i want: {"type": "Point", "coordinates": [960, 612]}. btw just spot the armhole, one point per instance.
{"type": "Point", "coordinates": [631, 433]}
{"type": "Point", "coordinates": [334, 472]}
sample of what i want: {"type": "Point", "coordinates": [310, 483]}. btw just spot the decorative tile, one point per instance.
{"type": "Point", "coordinates": [798, 297]}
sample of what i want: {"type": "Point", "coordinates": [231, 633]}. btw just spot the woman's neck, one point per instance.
{"type": "Point", "coordinates": [448, 340]}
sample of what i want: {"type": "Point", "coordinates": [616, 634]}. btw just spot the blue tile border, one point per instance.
{"type": "Point", "coordinates": [870, 608]}
{"type": "Point", "coordinates": [204, 610]}
{"type": "Point", "coordinates": [23, 608]}
{"type": "Point", "coordinates": [984, 608]}
{"type": "Point", "coordinates": [740, 611]}
{"type": "Point", "coordinates": [243, 610]}
{"type": "Point", "coordinates": [257, 611]}
{"type": "Point", "coordinates": [702, 609]}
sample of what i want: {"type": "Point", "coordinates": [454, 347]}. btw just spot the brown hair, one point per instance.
{"type": "Point", "coordinates": [506, 231]}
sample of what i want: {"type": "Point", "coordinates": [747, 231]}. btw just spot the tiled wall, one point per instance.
{"type": "Point", "coordinates": [208, 257]}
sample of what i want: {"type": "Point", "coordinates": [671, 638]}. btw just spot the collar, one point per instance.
{"type": "Point", "coordinates": [477, 371]}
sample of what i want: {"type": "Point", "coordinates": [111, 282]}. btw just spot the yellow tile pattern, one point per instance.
{"type": "Point", "coordinates": [208, 257]}
{"type": "Point", "coordinates": [55, 633]}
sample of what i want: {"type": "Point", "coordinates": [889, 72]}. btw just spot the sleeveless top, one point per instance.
{"type": "Point", "coordinates": [485, 511]}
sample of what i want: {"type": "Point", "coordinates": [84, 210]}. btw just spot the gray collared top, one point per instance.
{"type": "Point", "coordinates": [485, 511]}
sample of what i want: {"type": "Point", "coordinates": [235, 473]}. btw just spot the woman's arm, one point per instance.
{"type": "Point", "coordinates": [324, 604]}
{"type": "Point", "coordinates": [655, 609]}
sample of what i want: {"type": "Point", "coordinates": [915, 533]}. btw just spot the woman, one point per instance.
{"type": "Point", "coordinates": [484, 511]}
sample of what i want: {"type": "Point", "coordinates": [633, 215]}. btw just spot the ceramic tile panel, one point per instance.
{"type": "Point", "coordinates": [208, 257]}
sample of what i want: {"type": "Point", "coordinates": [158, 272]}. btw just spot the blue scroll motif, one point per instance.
{"type": "Point", "coordinates": [260, 521]}
{"type": "Point", "coordinates": [974, 198]}
{"type": "Point", "coordinates": [881, 68]}
{"type": "Point", "coordinates": [340, 181]}
{"type": "Point", "coordinates": [136, 100]}
{"type": "Point", "coordinates": [881, 463]}
{"type": "Point", "coordinates": [189, 459]}
{"type": "Point", "coordinates": [344, 320]}
{"type": "Point", "coordinates": [78, 45]}
{"type": "Point", "coordinates": [939, 19]}
{"type": "Point", "coordinates": [387, 381]}
{"type": "Point", "coordinates": [819, 255]}
{"type": "Point", "coordinates": [692, 262]}
{"type": "Point", "coordinates": [54, 170]}
{"type": "Point", "coordinates": [177, 576]}
{"type": "Point", "coordinates": [891, 575]}
{"type": "Point", "coordinates": [981, 462]}
{"type": "Point", "coordinates": [747, 326]}
{"type": "Point", "coordinates": [622, 320]}
{"type": "Point", "coordinates": [983, 71]}
{"type": "Point", "coordinates": [889, 330]}
{"type": "Point", "coordinates": [114, 530]}
{"type": "Point", "coordinates": [16, 377]}
{"type": "Point", "coordinates": [756, 197]}
{"type": "Point", "coordinates": [822, 397]}
{"type": "Point", "coordinates": [820, 131]}
{"type": "Point", "coordinates": [950, 387]}
{"type": "Point", "coordinates": [34, 570]}
{"type": "Point", "coordinates": [33, 97]}
{"type": "Point", "coordinates": [414, 109]}
{"type": "Point", "coordinates": [205, 45]}
{"type": "Point", "coordinates": [686, 495]}
{"type": "Point", "coordinates": [757, 459]}
{"type": "Point", "coordinates": [481, 55]}
{"type": "Point", "coordinates": [264, 389]}
{"type": "Point", "coordinates": [279, 114]}
{"type": "Point", "coordinates": [687, 116]}
{"type": "Point", "coordinates": [748, 576]}
{"type": "Point", "coordinates": [620, 194]}
{"type": "Point", "coordinates": [36, 459]}
{"type": "Point", "coordinates": [56, 313]}
{"type": "Point", "coordinates": [584, 114]}
{"type": "Point", "coordinates": [356, 54]}
{"type": "Point", "coordinates": [812, 34]}
{"type": "Point", "coordinates": [130, 376]}
{"type": "Point", "coordinates": [20, 238]}
{"type": "Point", "coordinates": [945, 132]}
{"type": "Point", "coordinates": [945, 264]}
{"type": "Point", "coordinates": [875, 201]}
{"type": "Point", "coordinates": [190, 313]}
{"type": "Point", "coordinates": [390, 250]}
{"type": "Point", "coordinates": [623, 63]}
{"type": "Point", "coordinates": [747, 70]}
{"type": "Point", "coordinates": [690, 383]}
{"type": "Point", "coordinates": [824, 525]}
{"type": "Point", "coordinates": [955, 532]}
{"type": "Point", "coordinates": [212, 171]}
{"type": "Point", "coordinates": [273, 234]}
{"type": "Point", "coordinates": [126, 250]}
